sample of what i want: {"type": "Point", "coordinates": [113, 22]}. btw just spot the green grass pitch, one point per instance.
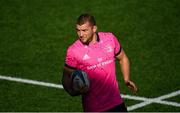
{"type": "Point", "coordinates": [34, 36]}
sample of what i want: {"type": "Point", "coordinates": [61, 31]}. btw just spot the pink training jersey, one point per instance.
{"type": "Point", "coordinates": [98, 61]}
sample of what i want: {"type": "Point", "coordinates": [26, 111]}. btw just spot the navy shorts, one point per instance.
{"type": "Point", "coordinates": [118, 108]}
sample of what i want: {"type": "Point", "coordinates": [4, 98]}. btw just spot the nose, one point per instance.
{"type": "Point", "coordinates": [81, 33]}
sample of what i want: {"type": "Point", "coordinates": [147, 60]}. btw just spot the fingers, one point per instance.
{"type": "Point", "coordinates": [83, 89]}
{"type": "Point", "coordinates": [132, 86]}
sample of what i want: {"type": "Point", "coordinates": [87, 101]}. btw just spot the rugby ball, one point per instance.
{"type": "Point", "coordinates": [80, 80]}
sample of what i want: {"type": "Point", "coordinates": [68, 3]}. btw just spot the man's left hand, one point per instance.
{"type": "Point", "coordinates": [131, 86]}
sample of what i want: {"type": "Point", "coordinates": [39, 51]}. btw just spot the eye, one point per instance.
{"type": "Point", "coordinates": [77, 30]}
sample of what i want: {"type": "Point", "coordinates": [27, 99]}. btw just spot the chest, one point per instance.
{"type": "Point", "coordinates": [95, 54]}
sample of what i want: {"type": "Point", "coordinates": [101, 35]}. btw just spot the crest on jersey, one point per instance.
{"type": "Point", "coordinates": [86, 57]}
{"type": "Point", "coordinates": [109, 48]}
{"type": "Point", "coordinates": [99, 59]}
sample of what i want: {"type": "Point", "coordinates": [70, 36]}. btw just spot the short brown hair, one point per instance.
{"type": "Point", "coordinates": [83, 18]}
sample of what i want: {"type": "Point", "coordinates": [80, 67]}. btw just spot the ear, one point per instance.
{"type": "Point", "coordinates": [94, 28]}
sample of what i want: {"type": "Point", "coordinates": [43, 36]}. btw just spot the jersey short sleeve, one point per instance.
{"type": "Point", "coordinates": [70, 60]}
{"type": "Point", "coordinates": [117, 48]}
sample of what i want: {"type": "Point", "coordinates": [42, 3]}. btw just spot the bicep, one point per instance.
{"type": "Point", "coordinates": [122, 59]}
{"type": "Point", "coordinates": [121, 55]}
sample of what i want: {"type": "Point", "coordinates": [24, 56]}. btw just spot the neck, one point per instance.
{"type": "Point", "coordinates": [94, 39]}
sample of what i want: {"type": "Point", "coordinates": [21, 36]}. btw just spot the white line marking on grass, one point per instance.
{"type": "Point", "coordinates": [173, 94]}
{"type": "Point", "coordinates": [146, 101]}
{"type": "Point", "coordinates": [27, 81]}
{"type": "Point", "coordinates": [139, 105]}
{"type": "Point", "coordinates": [134, 97]}
{"type": "Point", "coordinates": [167, 103]}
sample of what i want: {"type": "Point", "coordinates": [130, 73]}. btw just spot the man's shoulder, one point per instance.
{"type": "Point", "coordinates": [75, 45]}
{"type": "Point", "coordinates": [106, 35]}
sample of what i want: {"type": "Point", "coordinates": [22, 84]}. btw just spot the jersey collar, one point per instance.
{"type": "Point", "coordinates": [98, 39]}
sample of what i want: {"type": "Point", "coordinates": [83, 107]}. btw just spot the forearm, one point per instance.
{"type": "Point", "coordinates": [67, 83]}
{"type": "Point", "coordinates": [125, 68]}
{"type": "Point", "coordinates": [68, 87]}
